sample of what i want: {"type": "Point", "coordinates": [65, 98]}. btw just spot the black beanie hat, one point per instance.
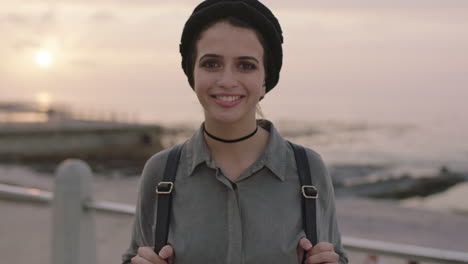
{"type": "Point", "coordinates": [253, 13]}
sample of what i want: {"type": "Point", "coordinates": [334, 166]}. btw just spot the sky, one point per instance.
{"type": "Point", "coordinates": [342, 59]}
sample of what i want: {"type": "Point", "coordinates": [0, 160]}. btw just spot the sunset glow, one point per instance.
{"type": "Point", "coordinates": [43, 58]}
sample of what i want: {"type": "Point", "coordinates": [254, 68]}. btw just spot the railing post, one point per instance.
{"type": "Point", "coordinates": [73, 226]}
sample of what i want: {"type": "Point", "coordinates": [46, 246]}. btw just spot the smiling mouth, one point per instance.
{"type": "Point", "coordinates": [227, 98]}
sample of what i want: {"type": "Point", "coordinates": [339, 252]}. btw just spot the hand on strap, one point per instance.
{"type": "Point", "coordinates": [146, 255]}
{"type": "Point", "coordinates": [323, 252]}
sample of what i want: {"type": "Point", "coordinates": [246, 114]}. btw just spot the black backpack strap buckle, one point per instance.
{"type": "Point", "coordinates": [164, 187]}
{"type": "Point", "coordinates": [309, 192]}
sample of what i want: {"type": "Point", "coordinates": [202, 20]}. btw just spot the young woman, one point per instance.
{"type": "Point", "coordinates": [237, 194]}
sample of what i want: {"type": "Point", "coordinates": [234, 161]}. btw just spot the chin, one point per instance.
{"type": "Point", "coordinates": [227, 118]}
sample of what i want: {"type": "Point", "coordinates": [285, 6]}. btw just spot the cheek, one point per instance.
{"type": "Point", "coordinates": [256, 86]}
{"type": "Point", "coordinates": [201, 74]}
{"type": "Point", "coordinates": [201, 85]}
{"type": "Point", "coordinates": [199, 80]}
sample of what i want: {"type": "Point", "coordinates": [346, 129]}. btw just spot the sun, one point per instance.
{"type": "Point", "coordinates": [43, 58]}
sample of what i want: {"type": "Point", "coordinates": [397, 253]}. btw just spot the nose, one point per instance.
{"type": "Point", "coordinates": [227, 78]}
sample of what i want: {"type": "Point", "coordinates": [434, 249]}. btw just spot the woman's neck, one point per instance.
{"type": "Point", "coordinates": [242, 153]}
{"type": "Point", "coordinates": [230, 131]}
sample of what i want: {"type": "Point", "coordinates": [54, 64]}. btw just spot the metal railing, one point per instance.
{"type": "Point", "coordinates": [73, 234]}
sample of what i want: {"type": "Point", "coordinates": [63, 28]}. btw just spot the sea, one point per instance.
{"type": "Point", "coordinates": [418, 133]}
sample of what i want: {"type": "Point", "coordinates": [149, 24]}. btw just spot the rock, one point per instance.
{"type": "Point", "coordinates": [405, 186]}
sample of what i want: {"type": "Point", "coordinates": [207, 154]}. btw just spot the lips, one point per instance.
{"type": "Point", "coordinates": [227, 100]}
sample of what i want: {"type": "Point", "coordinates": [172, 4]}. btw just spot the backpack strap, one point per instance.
{"type": "Point", "coordinates": [309, 193]}
{"type": "Point", "coordinates": [164, 191]}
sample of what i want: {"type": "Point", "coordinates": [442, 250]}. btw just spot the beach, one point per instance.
{"type": "Point", "coordinates": [26, 228]}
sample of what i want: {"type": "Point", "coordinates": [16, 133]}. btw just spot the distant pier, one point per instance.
{"type": "Point", "coordinates": [29, 133]}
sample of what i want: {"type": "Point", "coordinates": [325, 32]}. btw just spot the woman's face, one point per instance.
{"type": "Point", "coordinates": [229, 74]}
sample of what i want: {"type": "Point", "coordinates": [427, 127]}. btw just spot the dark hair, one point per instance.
{"type": "Point", "coordinates": [233, 21]}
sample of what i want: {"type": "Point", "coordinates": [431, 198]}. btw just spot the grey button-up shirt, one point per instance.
{"type": "Point", "coordinates": [255, 220]}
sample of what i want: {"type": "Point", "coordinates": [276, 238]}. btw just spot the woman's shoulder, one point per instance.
{"type": "Point", "coordinates": [316, 160]}
{"type": "Point", "coordinates": [312, 156]}
{"type": "Point", "coordinates": [318, 169]}
{"type": "Point", "coordinates": [157, 159]}
{"type": "Point", "coordinates": [155, 165]}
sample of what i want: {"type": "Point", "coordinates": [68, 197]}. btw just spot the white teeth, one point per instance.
{"type": "Point", "coordinates": [228, 98]}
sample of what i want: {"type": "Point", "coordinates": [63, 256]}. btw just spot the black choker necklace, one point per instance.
{"type": "Point", "coordinates": [230, 140]}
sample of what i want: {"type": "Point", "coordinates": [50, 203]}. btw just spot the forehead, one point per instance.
{"type": "Point", "coordinates": [229, 41]}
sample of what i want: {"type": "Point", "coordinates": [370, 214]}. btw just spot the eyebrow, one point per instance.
{"type": "Point", "coordinates": [211, 55]}
{"type": "Point", "coordinates": [248, 58]}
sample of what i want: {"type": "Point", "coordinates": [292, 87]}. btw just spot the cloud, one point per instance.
{"type": "Point", "coordinates": [47, 17]}
{"type": "Point", "coordinates": [15, 18]}
{"type": "Point", "coordinates": [84, 63]}
{"type": "Point", "coordinates": [24, 44]}
{"type": "Point", "coordinates": [28, 19]}
{"type": "Point", "coordinates": [103, 16]}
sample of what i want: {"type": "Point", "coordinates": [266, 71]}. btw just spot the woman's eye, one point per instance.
{"type": "Point", "coordinates": [247, 66]}
{"type": "Point", "coordinates": [210, 64]}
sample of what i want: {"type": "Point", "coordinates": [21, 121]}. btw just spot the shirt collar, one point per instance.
{"type": "Point", "coordinates": [274, 156]}
{"type": "Point", "coordinates": [196, 151]}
